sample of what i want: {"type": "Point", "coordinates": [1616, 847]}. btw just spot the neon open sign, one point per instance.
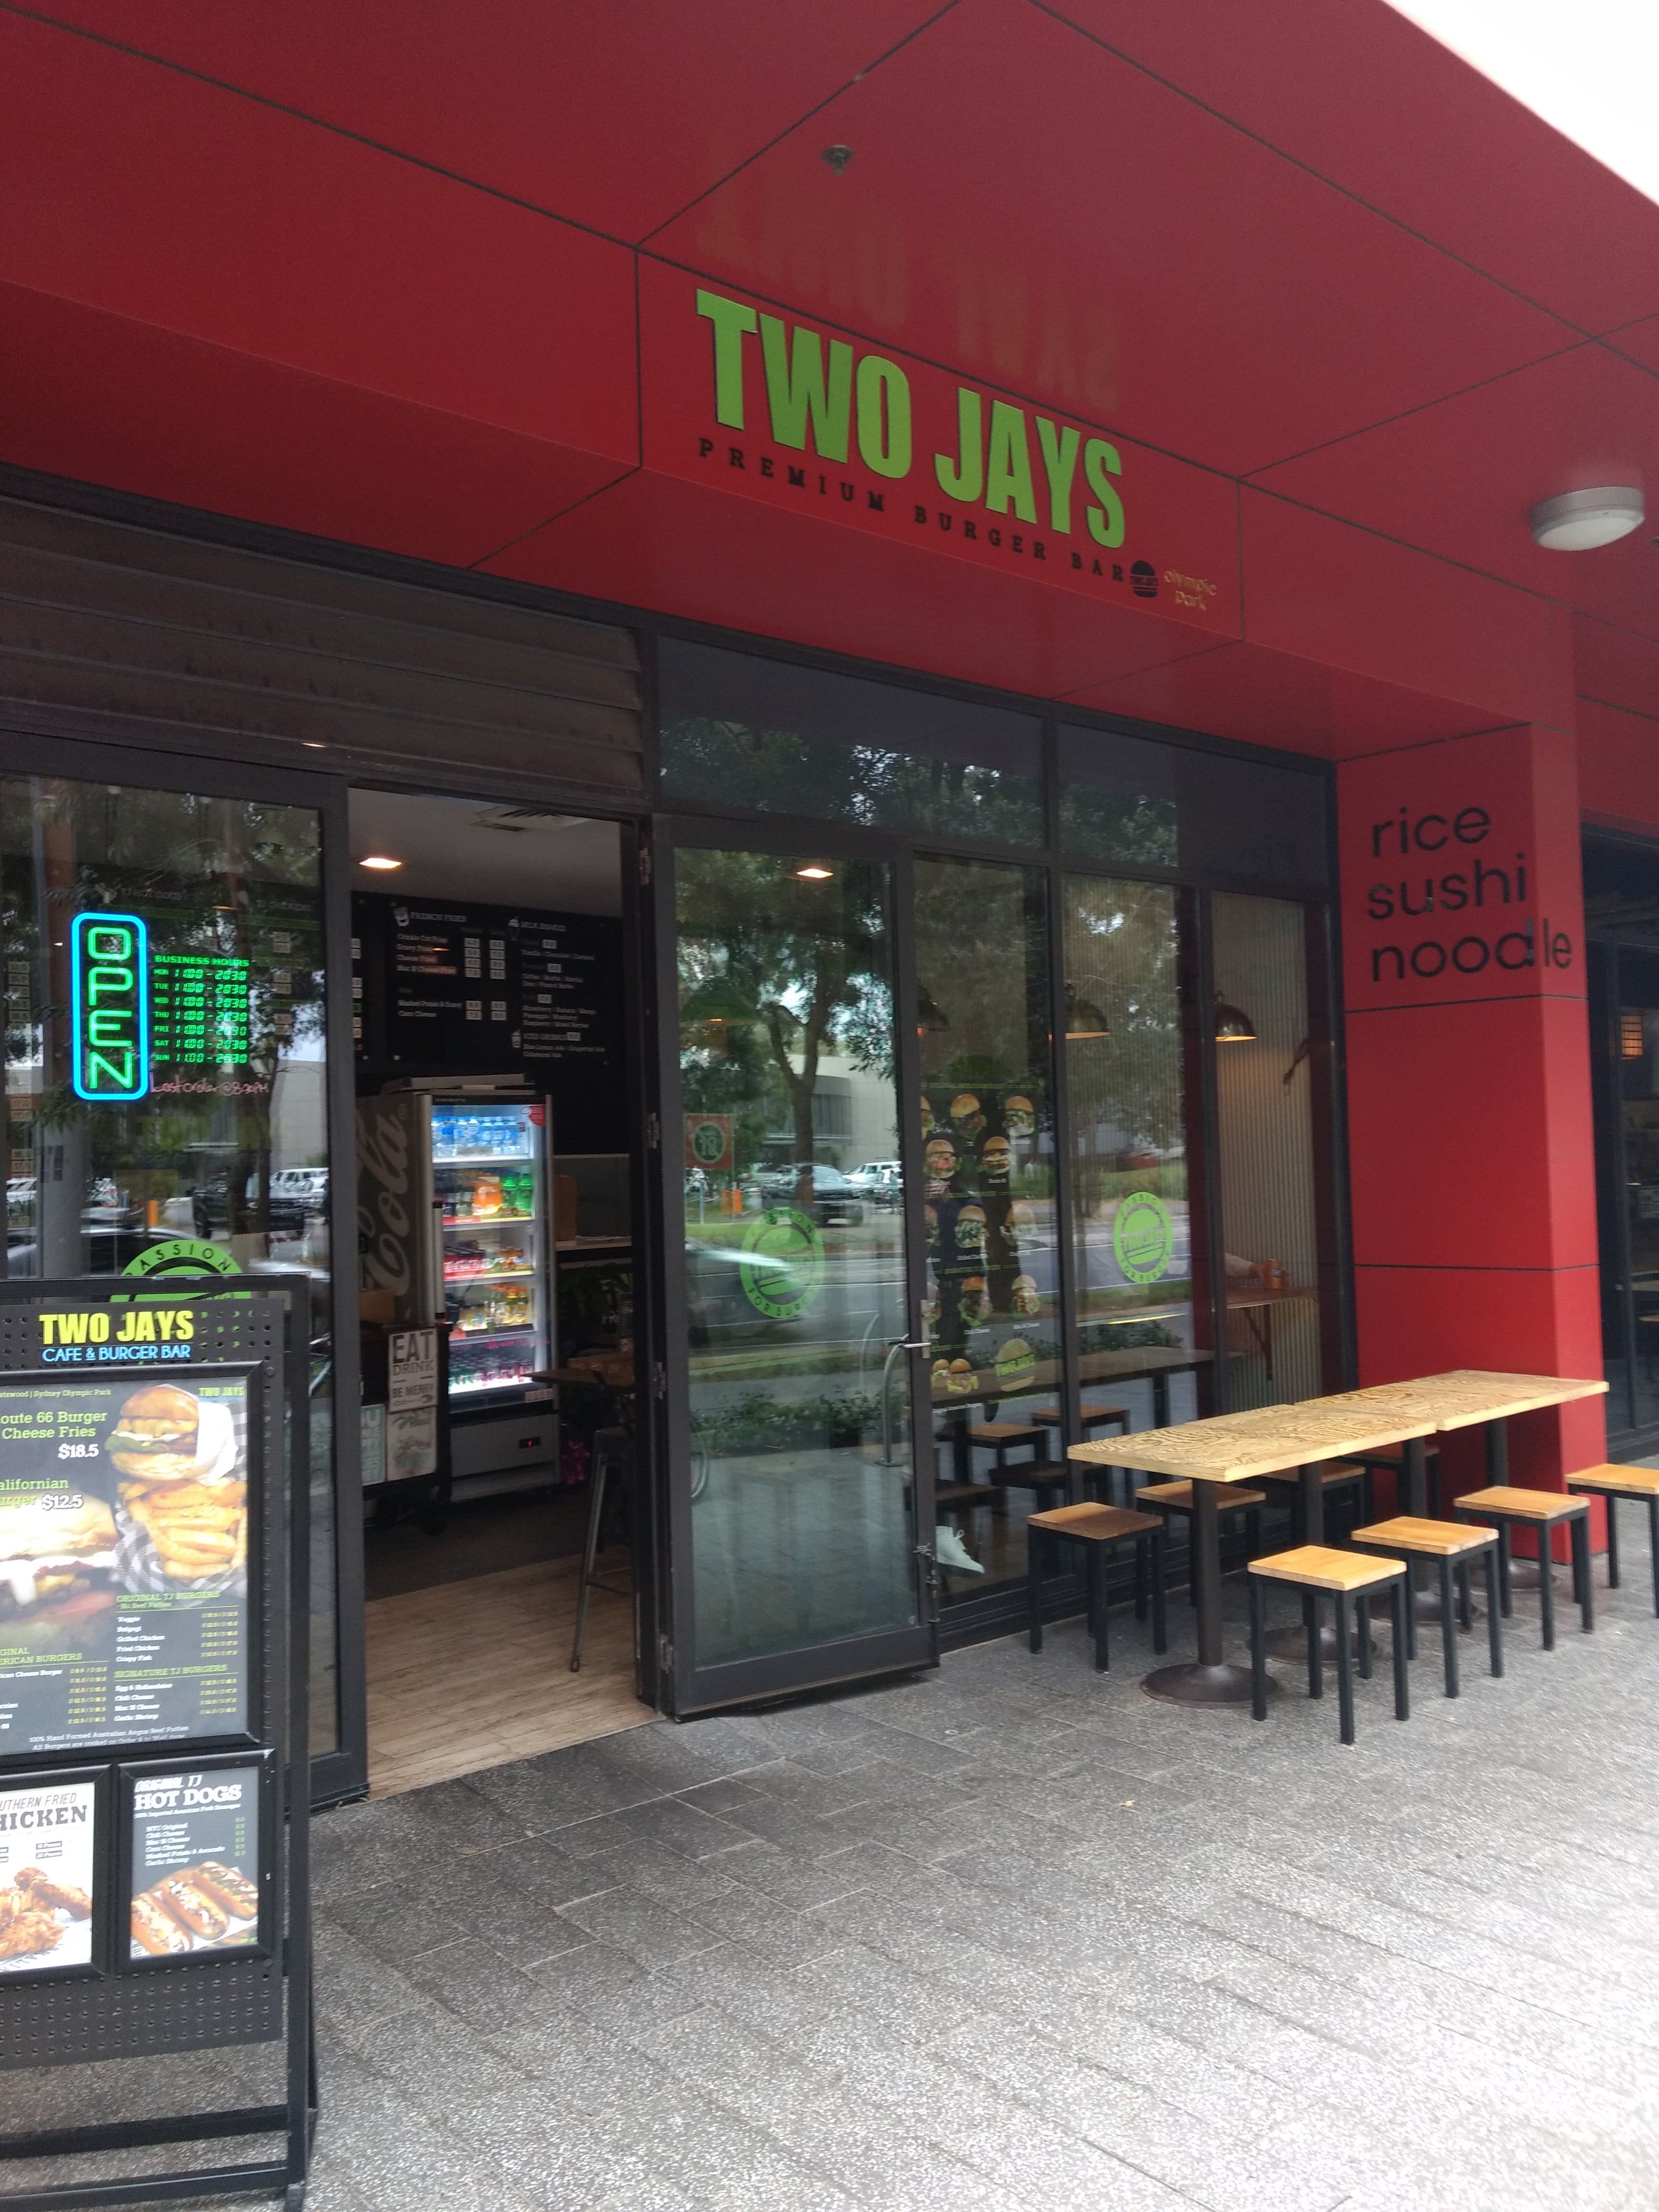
{"type": "Point", "coordinates": [109, 960]}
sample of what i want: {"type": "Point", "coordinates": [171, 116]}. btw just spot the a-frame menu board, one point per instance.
{"type": "Point", "coordinates": [153, 1612]}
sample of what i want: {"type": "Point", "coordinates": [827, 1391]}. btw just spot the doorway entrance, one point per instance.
{"type": "Point", "coordinates": [497, 1271]}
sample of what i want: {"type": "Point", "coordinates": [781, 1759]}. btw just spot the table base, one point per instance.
{"type": "Point", "coordinates": [1195, 1685]}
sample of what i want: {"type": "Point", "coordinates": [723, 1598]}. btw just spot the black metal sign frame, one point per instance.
{"type": "Point", "coordinates": [261, 1990]}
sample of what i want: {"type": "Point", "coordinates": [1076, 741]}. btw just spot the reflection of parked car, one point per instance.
{"type": "Point", "coordinates": [882, 1182]}
{"type": "Point", "coordinates": [834, 1199]}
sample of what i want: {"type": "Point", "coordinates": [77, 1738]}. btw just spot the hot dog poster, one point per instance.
{"type": "Point", "coordinates": [124, 1561]}
{"type": "Point", "coordinates": [48, 1877]}
{"type": "Point", "coordinates": [194, 1857]}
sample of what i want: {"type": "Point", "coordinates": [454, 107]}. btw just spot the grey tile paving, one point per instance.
{"type": "Point", "coordinates": [1005, 1937]}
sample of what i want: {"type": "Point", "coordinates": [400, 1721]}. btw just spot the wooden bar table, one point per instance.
{"type": "Point", "coordinates": [1467, 1398]}
{"type": "Point", "coordinates": [1234, 1448]}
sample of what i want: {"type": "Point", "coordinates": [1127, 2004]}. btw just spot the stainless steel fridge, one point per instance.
{"type": "Point", "coordinates": [455, 1220]}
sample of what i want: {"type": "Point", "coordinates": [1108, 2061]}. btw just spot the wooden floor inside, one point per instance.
{"type": "Point", "coordinates": [473, 1674]}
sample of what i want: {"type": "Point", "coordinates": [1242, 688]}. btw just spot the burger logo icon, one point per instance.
{"type": "Point", "coordinates": [1143, 580]}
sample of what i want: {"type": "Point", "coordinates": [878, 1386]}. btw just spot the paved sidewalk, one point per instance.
{"type": "Point", "coordinates": [1012, 1935]}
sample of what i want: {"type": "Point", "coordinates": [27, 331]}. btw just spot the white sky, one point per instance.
{"type": "Point", "coordinates": [1589, 67]}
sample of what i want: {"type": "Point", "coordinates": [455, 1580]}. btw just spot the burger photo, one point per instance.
{"type": "Point", "coordinates": [176, 1456]}
{"type": "Point", "coordinates": [57, 1573]}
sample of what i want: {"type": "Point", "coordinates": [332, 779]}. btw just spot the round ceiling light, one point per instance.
{"type": "Point", "coordinates": [1580, 521]}
{"type": "Point", "coordinates": [382, 861]}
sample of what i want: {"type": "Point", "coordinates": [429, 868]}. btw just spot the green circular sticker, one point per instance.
{"type": "Point", "coordinates": [1143, 1236]}
{"type": "Point", "coordinates": [183, 1255]}
{"type": "Point", "coordinates": [782, 1267]}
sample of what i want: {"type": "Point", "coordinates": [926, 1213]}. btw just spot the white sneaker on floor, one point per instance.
{"type": "Point", "coordinates": [951, 1552]}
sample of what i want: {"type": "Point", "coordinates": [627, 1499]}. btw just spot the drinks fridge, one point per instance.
{"type": "Point", "coordinates": [465, 1166]}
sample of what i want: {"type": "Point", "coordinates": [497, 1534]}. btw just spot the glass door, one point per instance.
{"type": "Point", "coordinates": [801, 1520]}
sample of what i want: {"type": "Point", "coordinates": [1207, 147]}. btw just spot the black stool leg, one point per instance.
{"type": "Point", "coordinates": [1310, 1623]}
{"type": "Point", "coordinates": [1098, 1599]}
{"type": "Point", "coordinates": [1258, 1650]}
{"type": "Point", "coordinates": [1494, 1611]}
{"type": "Point", "coordinates": [1546, 1586]}
{"type": "Point", "coordinates": [1653, 1540]}
{"type": "Point", "coordinates": [1362, 1607]}
{"type": "Point", "coordinates": [1160, 1635]}
{"type": "Point", "coordinates": [1449, 1627]}
{"type": "Point", "coordinates": [1400, 1607]}
{"type": "Point", "coordinates": [598, 1475]}
{"type": "Point", "coordinates": [1581, 1568]}
{"type": "Point", "coordinates": [1613, 1544]}
{"type": "Point", "coordinates": [1034, 1586]}
{"type": "Point", "coordinates": [1505, 1579]}
{"type": "Point", "coordinates": [1344, 1666]}
{"type": "Point", "coordinates": [1465, 1596]}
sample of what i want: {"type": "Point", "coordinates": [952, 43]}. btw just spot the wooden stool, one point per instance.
{"type": "Point", "coordinates": [1039, 1472]}
{"type": "Point", "coordinates": [1092, 1418]}
{"type": "Point", "coordinates": [1100, 1529]}
{"type": "Point", "coordinates": [1454, 1548]}
{"type": "Point", "coordinates": [1541, 1510]}
{"type": "Point", "coordinates": [1167, 1498]}
{"type": "Point", "coordinates": [1641, 1483]}
{"type": "Point", "coordinates": [1317, 1571]}
{"type": "Point", "coordinates": [1337, 1474]}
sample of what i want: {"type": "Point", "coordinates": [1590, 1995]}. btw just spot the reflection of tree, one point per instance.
{"type": "Point", "coordinates": [737, 765]}
{"type": "Point", "coordinates": [1121, 954]}
{"type": "Point", "coordinates": [804, 965]}
{"type": "Point", "coordinates": [982, 962]}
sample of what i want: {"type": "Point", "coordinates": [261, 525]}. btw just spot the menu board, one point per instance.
{"type": "Point", "coordinates": [48, 1874]}
{"type": "Point", "coordinates": [492, 990]}
{"type": "Point", "coordinates": [124, 1560]}
{"type": "Point", "coordinates": [567, 982]}
{"type": "Point", "coordinates": [193, 1856]}
{"type": "Point", "coordinates": [448, 1000]}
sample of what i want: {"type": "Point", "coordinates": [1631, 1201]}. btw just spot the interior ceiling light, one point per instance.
{"type": "Point", "coordinates": [815, 873]}
{"type": "Point", "coordinates": [1631, 1042]}
{"type": "Point", "coordinates": [1232, 1024]}
{"type": "Point", "coordinates": [930, 1015]}
{"type": "Point", "coordinates": [1083, 1019]}
{"type": "Point", "coordinates": [1580, 521]}
{"type": "Point", "coordinates": [838, 157]}
{"type": "Point", "coordinates": [380, 861]}
{"type": "Point", "coordinates": [718, 1001]}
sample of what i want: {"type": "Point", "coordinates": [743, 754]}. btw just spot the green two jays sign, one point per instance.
{"type": "Point", "coordinates": [744, 398]}
{"type": "Point", "coordinates": [814, 394]}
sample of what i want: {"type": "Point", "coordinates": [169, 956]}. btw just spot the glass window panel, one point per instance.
{"type": "Point", "coordinates": [802, 1529]}
{"type": "Point", "coordinates": [983, 1021]}
{"type": "Point", "coordinates": [740, 732]}
{"type": "Point", "coordinates": [222, 1132]}
{"type": "Point", "coordinates": [1265, 1111]}
{"type": "Point", "coordinates": [1176, 806]}
{"type": "Point", "coordinates": [1128, 1100]}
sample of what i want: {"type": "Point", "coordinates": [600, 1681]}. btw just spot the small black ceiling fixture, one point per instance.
{"type": "Point", "coordinates": [838, 157]}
